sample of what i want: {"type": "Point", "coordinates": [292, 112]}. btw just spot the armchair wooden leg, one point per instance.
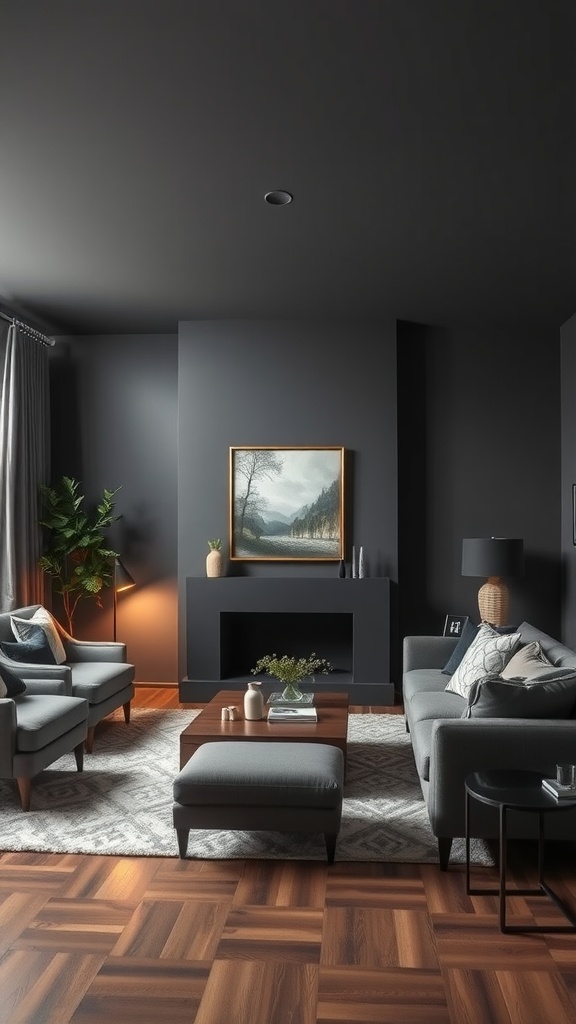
{"type": "Point", "coordinates": [126, 711]}
{"type": "Point", "coordinates": [24, 785]}
{"type": "Point", "coordinates": [90, 739]}
{"type": "Point", "coordinates": [79, 755]}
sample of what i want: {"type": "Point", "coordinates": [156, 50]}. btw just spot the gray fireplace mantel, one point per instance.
{"type": "Point", "coordinates": [233, 621]}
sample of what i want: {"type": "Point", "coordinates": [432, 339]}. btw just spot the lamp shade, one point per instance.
{"type": "Point", "coordinates": [492, 556]}
{"type": "Point", "coordinates": [122, 578]}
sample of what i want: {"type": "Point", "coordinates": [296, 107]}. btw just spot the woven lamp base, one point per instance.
{"type": "Point", "coordinates": [493, 601]}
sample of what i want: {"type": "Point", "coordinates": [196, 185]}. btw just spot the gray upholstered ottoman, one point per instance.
{"type": "Point", "coordinates": [263, 787]}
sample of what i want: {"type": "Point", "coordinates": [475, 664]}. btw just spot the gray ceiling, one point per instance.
{"type": "Point", "coordinates": [429, 145]}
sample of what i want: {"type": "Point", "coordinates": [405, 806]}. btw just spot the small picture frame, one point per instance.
{"type": "Point", "coordinates": [454, 625]}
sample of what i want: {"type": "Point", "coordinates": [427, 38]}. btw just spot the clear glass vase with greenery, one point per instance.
{"type": "Point", "coordinates": [291, 671]}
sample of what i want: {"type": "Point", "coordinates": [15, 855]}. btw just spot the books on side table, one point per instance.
{"type": "Point", "coordinates": [296, 715]}
{"type": "Point", "coordinates": [559, 791]}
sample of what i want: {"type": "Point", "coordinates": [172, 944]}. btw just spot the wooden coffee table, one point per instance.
{"type": "Point", "coordinates": [331, 727]}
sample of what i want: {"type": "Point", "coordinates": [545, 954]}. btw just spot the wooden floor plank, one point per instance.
{"type": "Point", "coordinates": [354, 995]}
{"type": "Point", "coordinates": [146, 991]}
{"type": "Point", "coordinates": [90, 926]}
{"type": "Point", "coordinates": [377, 938]}
{"type": "Point", "coordinates": [282, 884]}
{"type": "Point", "coordinates": [272, 933]}
{"type": "Point", "coordinates": [256, 992]}
{"type": "Point", "coordinates": [40, 987]}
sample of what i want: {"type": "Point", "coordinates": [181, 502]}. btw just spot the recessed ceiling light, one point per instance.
{"type": "Point", "coordinates": [278, 197]}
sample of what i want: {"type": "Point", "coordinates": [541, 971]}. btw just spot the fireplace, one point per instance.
{"type": "Point", "coordinates": [231, 622]}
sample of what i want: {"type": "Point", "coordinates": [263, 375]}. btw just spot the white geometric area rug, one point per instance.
{"type": "Point", "coordinates": [121, 803]}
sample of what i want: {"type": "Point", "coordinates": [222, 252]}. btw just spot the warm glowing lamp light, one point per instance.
{"type": "Point", "coordinates": [122, 581]}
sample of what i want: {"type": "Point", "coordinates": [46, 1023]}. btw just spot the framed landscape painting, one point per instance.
{"type": "Point", "coordinates": [287, 504]}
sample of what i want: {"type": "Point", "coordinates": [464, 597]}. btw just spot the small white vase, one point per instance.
{"type": "Point", "coordinates": [253, 703]}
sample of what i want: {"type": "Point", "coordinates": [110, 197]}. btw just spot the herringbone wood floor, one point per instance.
{"type": "Point", "coordinates": [87, 940]}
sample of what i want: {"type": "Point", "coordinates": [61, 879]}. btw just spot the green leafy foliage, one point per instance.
{"type": "Point", "coordinates": [291, 670]}
{"type": "Point", "coordinates": [215, 544]}
{"type": "Point", "coordinates": [75, 554]}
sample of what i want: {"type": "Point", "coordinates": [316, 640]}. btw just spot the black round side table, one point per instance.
{"type": "Point", "coordinates": [516, 791]}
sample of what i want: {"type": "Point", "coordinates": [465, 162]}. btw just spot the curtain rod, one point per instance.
{"type": "Point", "coordinates": [31, 331]}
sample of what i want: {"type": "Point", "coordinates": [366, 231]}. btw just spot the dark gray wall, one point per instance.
{"type": "Point", "coordinates": [479, 456]}
{"type": "Point", "coordinates": [568, 384]}
{"type": "Point", "coordinates": [115, 424]}
{"type": "Point", "coordinates": [284, 383]}
{"type": "Point", "coordinates": [462, 438]}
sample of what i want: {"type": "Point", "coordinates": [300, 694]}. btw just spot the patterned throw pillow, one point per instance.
{"type": "Point", "coordinates": [487, 655]}
{"type": "Point", "coordinates": [22, 631]}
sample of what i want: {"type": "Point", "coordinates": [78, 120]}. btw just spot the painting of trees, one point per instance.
{"type": "Point", "coordinates": [286, 503]}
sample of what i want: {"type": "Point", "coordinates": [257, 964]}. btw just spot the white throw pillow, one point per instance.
{"type": "Point", "coordinates": [42, 617]}
{"type": "Point", "coordinates": [487, 655]}
{"type": "Point", "coordinates": [527, 662]}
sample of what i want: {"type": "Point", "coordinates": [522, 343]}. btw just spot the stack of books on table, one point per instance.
{"type": "Point", "coordinates": [559, 791]}
{"type": "Point", "coordinates": [296, 715]}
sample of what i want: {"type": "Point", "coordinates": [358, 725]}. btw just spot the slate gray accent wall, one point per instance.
{"type": "Point", "coordinates": [568, 405]}
{"type": "Point", "coordinates": [476, 450]}
{"type": "Point", "coordinates": [484, 407]}
{"type": "Point", "coordinates": [286, 383]}
{"type": "Point", "coordinates": [114, 407]}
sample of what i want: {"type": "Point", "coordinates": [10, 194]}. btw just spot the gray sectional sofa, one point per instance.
{"type": "Point", "coordinates": [96, 671]}
{"type": "Point", "coordinates": [447, 746]}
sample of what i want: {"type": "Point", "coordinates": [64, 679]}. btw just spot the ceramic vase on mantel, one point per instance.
{"type": "Point", "coordinates": [214, 559]}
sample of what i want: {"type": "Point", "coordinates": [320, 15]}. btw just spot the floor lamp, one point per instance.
{"type": "Point", "coordinates": [122, 581]}
{"type": "Point", "coordinates": [493, 557]}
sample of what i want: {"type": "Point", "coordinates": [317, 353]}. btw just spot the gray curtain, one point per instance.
{"type": "Point", "coordinates": [24, 464]}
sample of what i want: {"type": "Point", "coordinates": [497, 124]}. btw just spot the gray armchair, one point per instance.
{"type": "Point", "coordinates": [96, 671]}
{"type": "Point", "coordinates": [37, 728]}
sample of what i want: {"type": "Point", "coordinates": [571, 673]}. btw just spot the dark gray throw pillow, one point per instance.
{"type": "Point", "coordinates": [469, 634]}
{"type": "Point", "coordinates": [36, 649]}
{"type": "Point", "coordinates": [551, 697]}
{"type": "Point", "coordinates": [14, 685]}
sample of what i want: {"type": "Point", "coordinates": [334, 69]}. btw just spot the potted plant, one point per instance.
{"type": "Point", "coordinates": [75, 553]}
{"type": "Point", "coordinates": [291, 671]}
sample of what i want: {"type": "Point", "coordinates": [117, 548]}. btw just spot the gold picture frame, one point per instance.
{"type": "Point", "coordinates": [286, 504]}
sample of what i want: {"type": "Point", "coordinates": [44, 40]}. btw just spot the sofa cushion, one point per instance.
{"type": "Point", "coordinates": [96, 681]}
{"type": "Point", "coordinates": [42, 718]}
{"type": "Point", "coordinates": [36, 650]}
{"type": "Point", "coordinates": [495, 697]}
{"type": "Point", "coordinates": [528, 662]}
{"type": "Point", "coordinates": [11, 684]}
{"type": "Point", "coordinates": [556, 652]}
{"type": "Point", "coordinates": [22, 629]}
{"type": "Point", "coordinates": [488, 653]}
{"type": "Point", "coordinates": [422, 680]}
{"type": "Point", "coordinates": [469, 633]}
{"type": "Point", "coordinates": [436, 704]}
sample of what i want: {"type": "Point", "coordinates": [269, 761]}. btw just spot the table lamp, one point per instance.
{"type": "Point", "coordinates": [493, 557]}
